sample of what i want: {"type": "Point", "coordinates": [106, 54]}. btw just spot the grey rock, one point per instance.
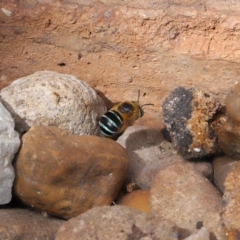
{"type": "Point", "coordinates": [9, 145]}
{"type": "Point", "coordinates": [117, 222]}
{"type": "Point", "coordinates": [148, 153]}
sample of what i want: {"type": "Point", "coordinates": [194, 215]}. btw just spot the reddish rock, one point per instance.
{"type": "Point", "coordinates": [232, 234]}
{"type": "Point", "coordinates": [181, 194]}
{"type": "Point", "coordinates": [231, 198]}
{"type": "Point", "coordinates": [117, 222]}
{"type": "Point", "coordinates": [229, 127]}
{"type": "Point", "coordinates": [139, 199]}
{"type": "Point", "coordinates": [222, 165]}
{"type": "Point", "coordinates": [65, 174]}
{"type": "Point", "coordinates": [28, 225]}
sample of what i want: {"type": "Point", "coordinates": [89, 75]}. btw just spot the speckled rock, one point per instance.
{"type": "Point", "coordinates": [139, 199]}
{"type": "Point", "coordinates": [9, 145]}
{"type": "Point", "coordinates": [232, 234]}
{"type": "Point", "coordinates": [231, 198]}
{"type": "Point", "coordinates": [181, 194]}
{"type": "Point", "coordinates": [65, 174]}
{"type": "Point", "coordinates": [53, 99]}
{"type": "Point", "coordinates": [28, 225]}
{"type": "Point", "coordinates": [222, 165]}
{"type": "Point", "coordinates": [116, 222]}
{"type": "Point", "coordinates": [188, 116]}
{"type": "Point", "coordinates": [148, 153]}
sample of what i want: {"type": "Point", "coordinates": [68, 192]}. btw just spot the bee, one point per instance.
{"type": "Point", "coordinates": [114, 122]}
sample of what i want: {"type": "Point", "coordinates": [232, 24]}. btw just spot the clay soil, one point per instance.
{"type": "Point", "coordinates": [120, 47]}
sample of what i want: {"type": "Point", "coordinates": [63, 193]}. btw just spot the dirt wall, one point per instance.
{"type": "Point", "coordinates": [119, 47]}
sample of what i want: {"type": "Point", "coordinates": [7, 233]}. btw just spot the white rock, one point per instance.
{"type": "Point", "coordinates": [202, 234]}
{"type": "Point", "coordinates": [54, 99]}
{"type": "Point", "coordinates": [9, 145]}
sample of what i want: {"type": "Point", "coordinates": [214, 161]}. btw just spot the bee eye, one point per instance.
{"type": "Point", "coordinates": [126, 108]}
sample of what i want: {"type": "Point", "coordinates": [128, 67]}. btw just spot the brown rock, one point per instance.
{"type": "Point", "coordinates": [222, 165]}
{"type": "Point", "coordinates": [181, 194]}
{"type": "Point", "coordinates": [231, 198]}
{"type": "Point", "coordinates": [139, 199]}
{"type": "Point", "coordinates": [232, 234]}
{"type": "Point", "coordinates": [65, 174]}
{"type": "Point", "coordinates": [116, 222]}
{"type": "Point", "coordinates": [27, 225]}
{"type": "Point", "coordinates": [229, 127]}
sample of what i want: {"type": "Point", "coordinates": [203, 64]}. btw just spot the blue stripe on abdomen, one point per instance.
{"type": "Point", "coordinates": [110, 123]}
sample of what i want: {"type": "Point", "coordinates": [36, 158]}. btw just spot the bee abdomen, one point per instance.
{"type": "Point", "coordinates": [110, 123]}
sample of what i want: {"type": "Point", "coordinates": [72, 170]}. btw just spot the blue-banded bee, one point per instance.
{"type": "Point", "coordinates": [114, 122]}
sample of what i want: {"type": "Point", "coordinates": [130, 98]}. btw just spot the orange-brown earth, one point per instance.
{"type": "Point", "coordinates": [122, 46]}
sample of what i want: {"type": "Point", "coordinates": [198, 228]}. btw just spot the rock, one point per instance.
{"type": "Point", "coordinates": [229, 127]}
{"type": "Point", "coordinates": [222, 165]}
{"type": "Point", "coordinates": [188, 116]}
{"type": "Point", "coordinates": [139, 199]}
{"type": "Point", "coordinates": [53, 99]}
{"type": "Point", "coordinates": [142, 146]}
{"type": "Point", "coordinates": [148, 153]}
{"type": "Point", "coordinates": [27, 225]}
{"type": "Point", "coordinates": [9, 143]}
{"type": "Point", "coordinates": [116, 222]}
{"type": "Point", "coordinates": [181, 194]}
{"type": "Point", "coordinates": [202, 234]}
{"type": "Point", "coordinates": [232, 234]}
{"type": "Point", "coordinates": [231, 198]}
{"type": "Point", "coordinates": [65, 174]}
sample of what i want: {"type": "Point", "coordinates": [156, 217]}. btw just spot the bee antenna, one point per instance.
{"type": "Point", "coordinates": [138, 96]}
{"type": "Point", "coordinates": [147, 104]}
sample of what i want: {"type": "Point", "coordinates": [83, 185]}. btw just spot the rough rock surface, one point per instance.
{"type": "Point", "coordinates": [142, 146]}
{"type": "Point", "coordinates": [116, 222]}
{"type": "Point", "coordinates": [188, 115]}
{"type": "Point", "coordinates": [9, 145]}
{"type": "Point", "coordinates": [65, 174]}
{"type": "Point", "coordinates": [148, 153]}
{"type": "Point", "coordinates": [229, 127]}
{"type": "Point", "coordinates": [223, 165]}
{"type": "Point", "coordinates": [181, 194]}
{"type": "Point", "coordinates": [139, 199]}
{"type": "Point", "coordinates": [121, 46]}
{"type": "Point", "coordinates": [27, 225]}
{"type": "Point", "coordinates": [53, 99]}
{"type": "Point", "coordinates": [231, 198]}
